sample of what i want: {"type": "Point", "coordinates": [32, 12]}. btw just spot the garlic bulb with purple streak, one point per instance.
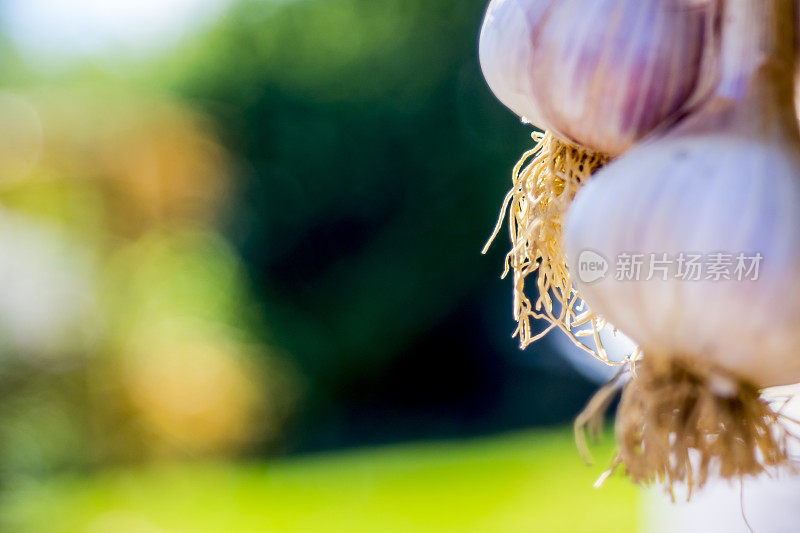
{"type": "Point", "coordinates": [601, 74]}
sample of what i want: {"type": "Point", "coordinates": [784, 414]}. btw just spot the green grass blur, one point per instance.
{"type": "Point", "coordinates": [517, 482]}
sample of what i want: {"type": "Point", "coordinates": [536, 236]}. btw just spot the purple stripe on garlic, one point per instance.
{"type": "Point", "coordinates": [599, 73]}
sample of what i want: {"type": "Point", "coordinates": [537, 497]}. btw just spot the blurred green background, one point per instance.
{"type": "Point", "coordinates": [241, 281]}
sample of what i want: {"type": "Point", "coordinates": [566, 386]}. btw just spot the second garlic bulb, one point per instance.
{"type": "Point", "coordinates": [702, 255]}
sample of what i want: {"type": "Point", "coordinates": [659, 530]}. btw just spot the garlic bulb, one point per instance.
{"type": "Point", "coordinates": [664, 209]}
{"type": "Point", "coordinates": [598, 73]}
{"type": "Point", "coordinates": [700, 233]}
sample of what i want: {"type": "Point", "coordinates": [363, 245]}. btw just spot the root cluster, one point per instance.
{"type": "Point", "coordinates": [545, 181]}
{"type": "Point", "coordinates": [678, 423]}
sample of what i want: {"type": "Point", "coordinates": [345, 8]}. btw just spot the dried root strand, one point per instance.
{"type": "Point", "coordinates": [545, 181]}
{"type": "Point", "coordinates": [677, 425]}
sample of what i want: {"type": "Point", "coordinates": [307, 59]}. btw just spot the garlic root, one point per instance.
{"type": "Point", "coordinates": [545, 181]}
{"type": "Point", "coordinates": [674, 426]}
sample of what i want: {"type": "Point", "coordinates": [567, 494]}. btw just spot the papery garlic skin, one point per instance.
{"type": "Point", "coordinates": [700, 194]}
{"type": "Point", "coordinates": [599, 73]}
{"type": "Point", "coordinates": [504, 49]}
{"type": "Point", "coordinates": [634, 65]}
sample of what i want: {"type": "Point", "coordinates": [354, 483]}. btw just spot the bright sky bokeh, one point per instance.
{"type": "Point", "coordinates": [57, 30]}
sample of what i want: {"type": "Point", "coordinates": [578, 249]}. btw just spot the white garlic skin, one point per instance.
{"type": "Point", "coordinates": [599, 73]}
{"type": "Point", "coordinates": [504, 49]}
{"type": "Point", "coordinates": [700, 194]}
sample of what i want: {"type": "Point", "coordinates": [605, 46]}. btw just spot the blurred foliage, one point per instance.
{"type": "Point", "coordinates": [370, 163]}
{"type": "Point", "coordinates": [109, 161]}
{"type": "Point", "coordinates": [128, 327]}
{"type": "Point", "coordinates": [267, 240]}
{"type": "Point", "coordinates": [502, 485]}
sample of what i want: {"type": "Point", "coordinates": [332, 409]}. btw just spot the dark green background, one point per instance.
{"type": "Point", "coordinates": [372, 163]}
